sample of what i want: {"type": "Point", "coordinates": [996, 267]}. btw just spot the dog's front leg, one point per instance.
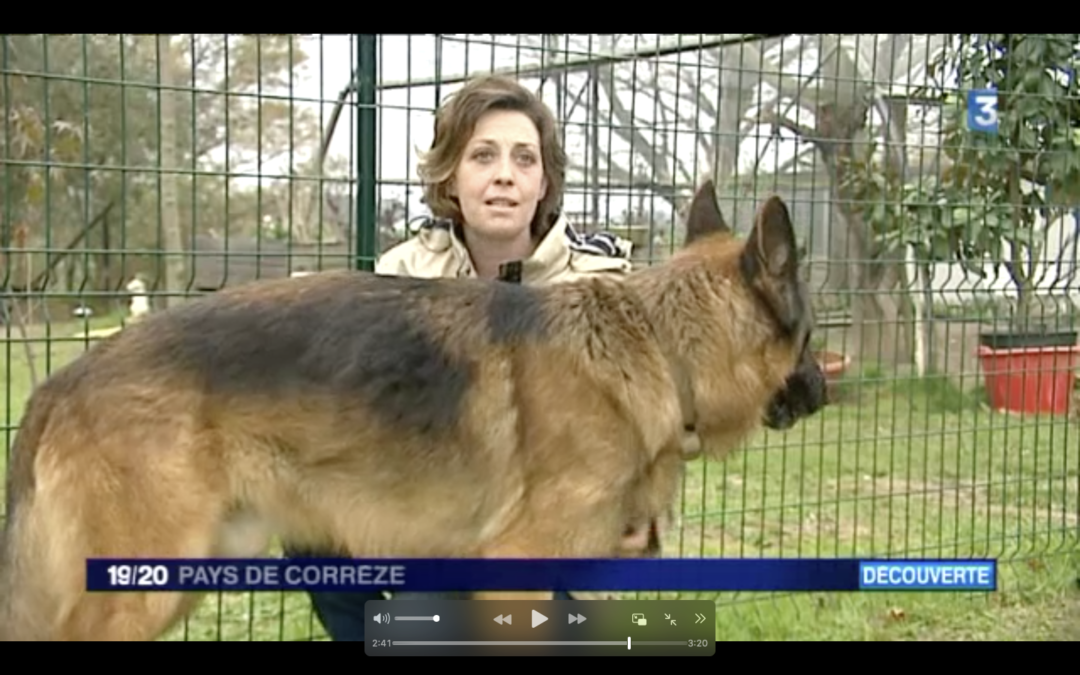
{"type": "Point", "coordinates": [511, 551]}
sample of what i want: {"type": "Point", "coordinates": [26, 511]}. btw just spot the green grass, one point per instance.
{"type": "Point", "coordinates": [899, 468]}
{"type": "Point", "coordinates": [902, 469]}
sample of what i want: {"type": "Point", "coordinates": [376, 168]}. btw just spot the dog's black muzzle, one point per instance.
{"type": "Point", "coordinates": [803, 395]}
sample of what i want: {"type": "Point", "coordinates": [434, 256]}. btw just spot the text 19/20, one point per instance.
{"type": "Point", "coordinates": [138, 575]}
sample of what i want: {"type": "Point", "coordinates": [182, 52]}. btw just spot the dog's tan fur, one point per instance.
{"type": "Point", "coordinates": [389, 417]}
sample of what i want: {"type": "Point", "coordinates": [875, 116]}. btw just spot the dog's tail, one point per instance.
{"type": "Point", "coordinates": [25, 599]}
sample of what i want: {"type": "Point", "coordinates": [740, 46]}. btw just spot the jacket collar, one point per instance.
{"type": "Point", "coordinates": [550, 258]}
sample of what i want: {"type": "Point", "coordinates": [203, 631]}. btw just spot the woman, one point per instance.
{"type": "Point", "coordinates": [494, 181]}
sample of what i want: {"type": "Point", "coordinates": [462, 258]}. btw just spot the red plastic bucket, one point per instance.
{"type": "Point", "coordinates": [1033, 380]}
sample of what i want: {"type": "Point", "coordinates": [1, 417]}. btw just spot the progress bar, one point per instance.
{"type": "Point", "coordinates": [538, 643]}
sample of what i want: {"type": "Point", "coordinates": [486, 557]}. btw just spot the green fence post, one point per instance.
{"type": "Point", "coordinates": [366, 221]}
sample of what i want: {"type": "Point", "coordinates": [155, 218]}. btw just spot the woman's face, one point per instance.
{"type": "Point", "coordinates": [500, 178]}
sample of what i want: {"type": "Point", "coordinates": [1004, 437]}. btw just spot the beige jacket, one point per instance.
{"type": "Point", "coordinates": [437, 251]}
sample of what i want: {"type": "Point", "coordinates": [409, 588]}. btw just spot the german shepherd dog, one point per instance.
{"type": "Point", "coordinates": [346, 410]}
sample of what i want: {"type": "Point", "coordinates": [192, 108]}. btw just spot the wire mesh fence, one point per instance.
{"type": "Point", "coordinates": [941, 235]}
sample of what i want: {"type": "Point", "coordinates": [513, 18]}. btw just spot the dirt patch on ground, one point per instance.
{"type": "Point", "coordinates": [815, 527]}
{"type": "Point", "coordinates": [963, 494]}
{"type": "Point", "coordinates": [822, 522]}
{"type": "Point", "coordinates": [1066, 627]}
{"type": "Point", "coordinates": [711, 539]}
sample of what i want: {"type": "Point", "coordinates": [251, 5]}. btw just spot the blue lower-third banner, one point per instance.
{"type": "Point", "coordinates": [540, 575]}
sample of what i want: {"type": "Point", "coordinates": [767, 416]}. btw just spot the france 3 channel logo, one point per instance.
{"type": "Point", "coordinates": [982, 110]}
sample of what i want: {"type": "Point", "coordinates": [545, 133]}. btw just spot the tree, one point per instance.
{"type": "Point", "coordinates": [725, 94]}
{"type": "Point", "coordinates": [169, 195]}
{"type": "Point", "coordinates": [841, 108]}
{"type": "Point", "coordinates": [645, 101]}
{"type": "Point", "coordinates": [87, 108]}
{"type": "Point", "coordinates": [999, 183]}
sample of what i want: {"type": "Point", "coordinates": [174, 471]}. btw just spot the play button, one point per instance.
{"type": "Point", "coordinates": [537, 618]}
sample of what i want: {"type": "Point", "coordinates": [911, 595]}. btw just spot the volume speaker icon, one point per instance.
{"type": "Point", "coordinates": [382, 618]}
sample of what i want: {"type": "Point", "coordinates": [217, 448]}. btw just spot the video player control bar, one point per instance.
{"type": "Point", "coordinates": [540, 627]}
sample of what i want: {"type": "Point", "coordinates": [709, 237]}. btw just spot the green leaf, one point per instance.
{"type": "Point", "coordinates": [974, 227]}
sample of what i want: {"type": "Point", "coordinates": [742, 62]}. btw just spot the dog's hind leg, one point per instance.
{"type": "Point", "coordinates": [147, 616]}
{"type": "Point", "coordinates": [105, 503]}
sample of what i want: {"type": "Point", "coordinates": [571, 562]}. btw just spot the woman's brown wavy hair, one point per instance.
{"type": "Point", "coordinates": [454, 125]}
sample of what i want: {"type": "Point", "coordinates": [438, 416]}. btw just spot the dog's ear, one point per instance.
{"type": "Point", "coordinates": [770, 263]}
{"type": "Point", "coordinates": [771, 247]}
{"type": "Point", "coordinates": [705, 217]}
